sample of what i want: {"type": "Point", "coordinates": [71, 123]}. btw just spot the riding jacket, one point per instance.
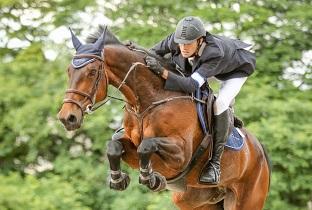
{"type": "Point", "coordinates": [218, 56]}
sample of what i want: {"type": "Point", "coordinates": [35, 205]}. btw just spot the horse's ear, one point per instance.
{"type": "Point", "coordinates": [99, 44]}
{"type": "Point", "coordinates": [75, 40]}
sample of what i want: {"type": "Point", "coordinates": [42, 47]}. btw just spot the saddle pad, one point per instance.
{"type": "Point", "coordinates": [235, 140]}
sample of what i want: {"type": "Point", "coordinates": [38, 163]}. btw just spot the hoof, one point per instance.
{"type": "Point", "coordinates": [160, 184]}
{"type": "Point", "coordinates": [119, 184]}
{"type": "Point", "coordinates": [149, 180]}
{"type": "Point", "coordinates": [155, 181]}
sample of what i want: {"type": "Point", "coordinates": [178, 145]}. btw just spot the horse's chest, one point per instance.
{"type": "Point", "coordinates": [135, 137]}
{"type": "Point", "coordinates": [139, 128]}
{"type": "Point", "coordinates": [140, 132]}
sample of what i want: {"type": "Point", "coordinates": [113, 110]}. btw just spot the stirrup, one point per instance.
{"type": "Point", "coordinates": [205, 177]}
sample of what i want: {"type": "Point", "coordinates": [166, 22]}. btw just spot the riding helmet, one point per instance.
{"type": "Point", "coordinates": [188, 30]}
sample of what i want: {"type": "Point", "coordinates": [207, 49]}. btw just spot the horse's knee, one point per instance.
{"type": "Point", "coordinates": [114, 149]}
{"type": "Point", "coordinates": [147, 147]}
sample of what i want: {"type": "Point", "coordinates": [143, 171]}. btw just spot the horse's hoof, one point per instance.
{"type": "Point", "coordinates": [155, 181]}
{"type": "Point", "coordinates": [149, 180]}
{"type": "Point", "coordinates": [121, 183]}
{"type": "Point", "coordinates": [160, 184]}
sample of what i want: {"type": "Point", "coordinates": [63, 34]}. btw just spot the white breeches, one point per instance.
{"type": "Point", "coordinates": [227, 93]}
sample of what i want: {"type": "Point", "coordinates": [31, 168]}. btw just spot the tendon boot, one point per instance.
{"type": "Point", "coordinates": [222, 127]}
{"type": "Point", "coordinates": [118, 133]}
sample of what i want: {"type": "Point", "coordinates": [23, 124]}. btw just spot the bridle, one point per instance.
{"type": "Point", "coordinates": [88, 97]}
{"type": "Point", "coordinates": [90, 108]}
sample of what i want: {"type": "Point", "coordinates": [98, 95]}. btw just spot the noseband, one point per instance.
{"type": "Point", "coordinates": [87, 96]}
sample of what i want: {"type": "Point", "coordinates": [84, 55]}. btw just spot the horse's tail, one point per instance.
{"type": "Point", "coordinates": [268, 161]}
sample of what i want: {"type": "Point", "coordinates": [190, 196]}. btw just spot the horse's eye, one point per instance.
{"type": "Point", "coordinates": [92, 73]}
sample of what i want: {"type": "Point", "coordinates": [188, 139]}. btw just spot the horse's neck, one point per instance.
{"type": "Point", "coordinates": [141, 87]}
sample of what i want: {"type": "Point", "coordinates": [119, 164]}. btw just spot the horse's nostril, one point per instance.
{"type": "Point", "coordinates": [72, 119]}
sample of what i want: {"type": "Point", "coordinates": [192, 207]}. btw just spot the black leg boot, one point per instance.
{"type": "Point", "coordinates": [222, 126]}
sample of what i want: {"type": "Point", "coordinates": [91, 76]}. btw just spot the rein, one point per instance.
{"type": "Point", "coordinates": [140, 116]}
{"type": "Point", "coordinates": [133, 67]}
{"type": "Point", "coordinates": [90, 108]}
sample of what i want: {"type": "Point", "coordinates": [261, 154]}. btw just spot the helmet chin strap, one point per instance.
{"type": "Point", "coordinates": [199, 43]}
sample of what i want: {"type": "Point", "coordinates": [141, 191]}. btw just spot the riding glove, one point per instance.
{"type": "Point", "coordinates": [154, 65]}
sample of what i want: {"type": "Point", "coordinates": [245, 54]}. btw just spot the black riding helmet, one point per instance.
{"type": "Point", "coordinates": [188, 30]}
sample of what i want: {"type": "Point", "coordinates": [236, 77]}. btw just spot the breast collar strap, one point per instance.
{"type": "Point", "coordinates": [201, 48]}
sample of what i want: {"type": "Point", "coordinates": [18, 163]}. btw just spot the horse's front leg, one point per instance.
{"type": "Point", "coordinates": [121, 147]}
{"type": "Point", "coordinates": [118, 180]}
{"type": "Point", "coordinates": [167, 150]}
{"type": "Point", "coordinates": [148, 177]}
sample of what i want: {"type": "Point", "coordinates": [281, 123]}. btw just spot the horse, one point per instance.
{"type": "Point", "coordinates": [161, 131]}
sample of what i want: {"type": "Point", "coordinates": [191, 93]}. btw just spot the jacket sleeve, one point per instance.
{"type": "Point", "coordinates": [163, 47]}
{"type": "Point", "coordinates": [190, 84]}
{"type": "Point", "coordinates": [182, 84]}
{"type": "Point", "coordinates": [210, 68]}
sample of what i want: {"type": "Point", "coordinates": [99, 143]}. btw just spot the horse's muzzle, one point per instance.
{"type": "Point", "coordinates": [71, 119]}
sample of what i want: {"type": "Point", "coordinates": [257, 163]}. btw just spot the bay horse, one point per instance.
{"type": "Point", "coordinates": [161, 131]}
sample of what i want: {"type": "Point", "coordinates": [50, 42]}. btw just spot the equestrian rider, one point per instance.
{"type": "Point", "coordinates": [201, 55]}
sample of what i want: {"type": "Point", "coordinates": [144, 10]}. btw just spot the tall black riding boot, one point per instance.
{"type": "Point", "coordinates": [222, 126]}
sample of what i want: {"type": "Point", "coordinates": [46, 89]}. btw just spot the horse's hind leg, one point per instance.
{"type": "Point", "coordinates": [250, 194]}
{"type": "Point", "coordinates": [204, 207]}
{"type": "Point", "coordinates": [210, 207]}
{"type": "Point", "coordinates": [199, 199]}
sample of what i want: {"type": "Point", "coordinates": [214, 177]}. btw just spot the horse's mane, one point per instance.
{"type": "Point", "coordinates": [111, 39]}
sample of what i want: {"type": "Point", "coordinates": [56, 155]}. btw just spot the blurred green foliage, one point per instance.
{"type": "Point", "coordinates": [277, 110]}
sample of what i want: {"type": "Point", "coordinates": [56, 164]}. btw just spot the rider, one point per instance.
{"type": "Point", "coordinates": [201, 55]}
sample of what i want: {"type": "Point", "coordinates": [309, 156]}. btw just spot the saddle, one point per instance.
{"type": "Point", "coordinates": [205, 116]}
{"type": "Point", "coordinates": [205, 113]}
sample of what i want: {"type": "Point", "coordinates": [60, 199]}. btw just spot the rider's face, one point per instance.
{"type": "Point", "coordinates": [187, 50]}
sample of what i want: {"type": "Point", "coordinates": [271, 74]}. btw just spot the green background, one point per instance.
{"type": "Point", "coordinates": [44, 167]}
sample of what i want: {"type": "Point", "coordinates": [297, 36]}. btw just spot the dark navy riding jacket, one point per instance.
{"type": "Point", "coordinates": [219, 56]}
